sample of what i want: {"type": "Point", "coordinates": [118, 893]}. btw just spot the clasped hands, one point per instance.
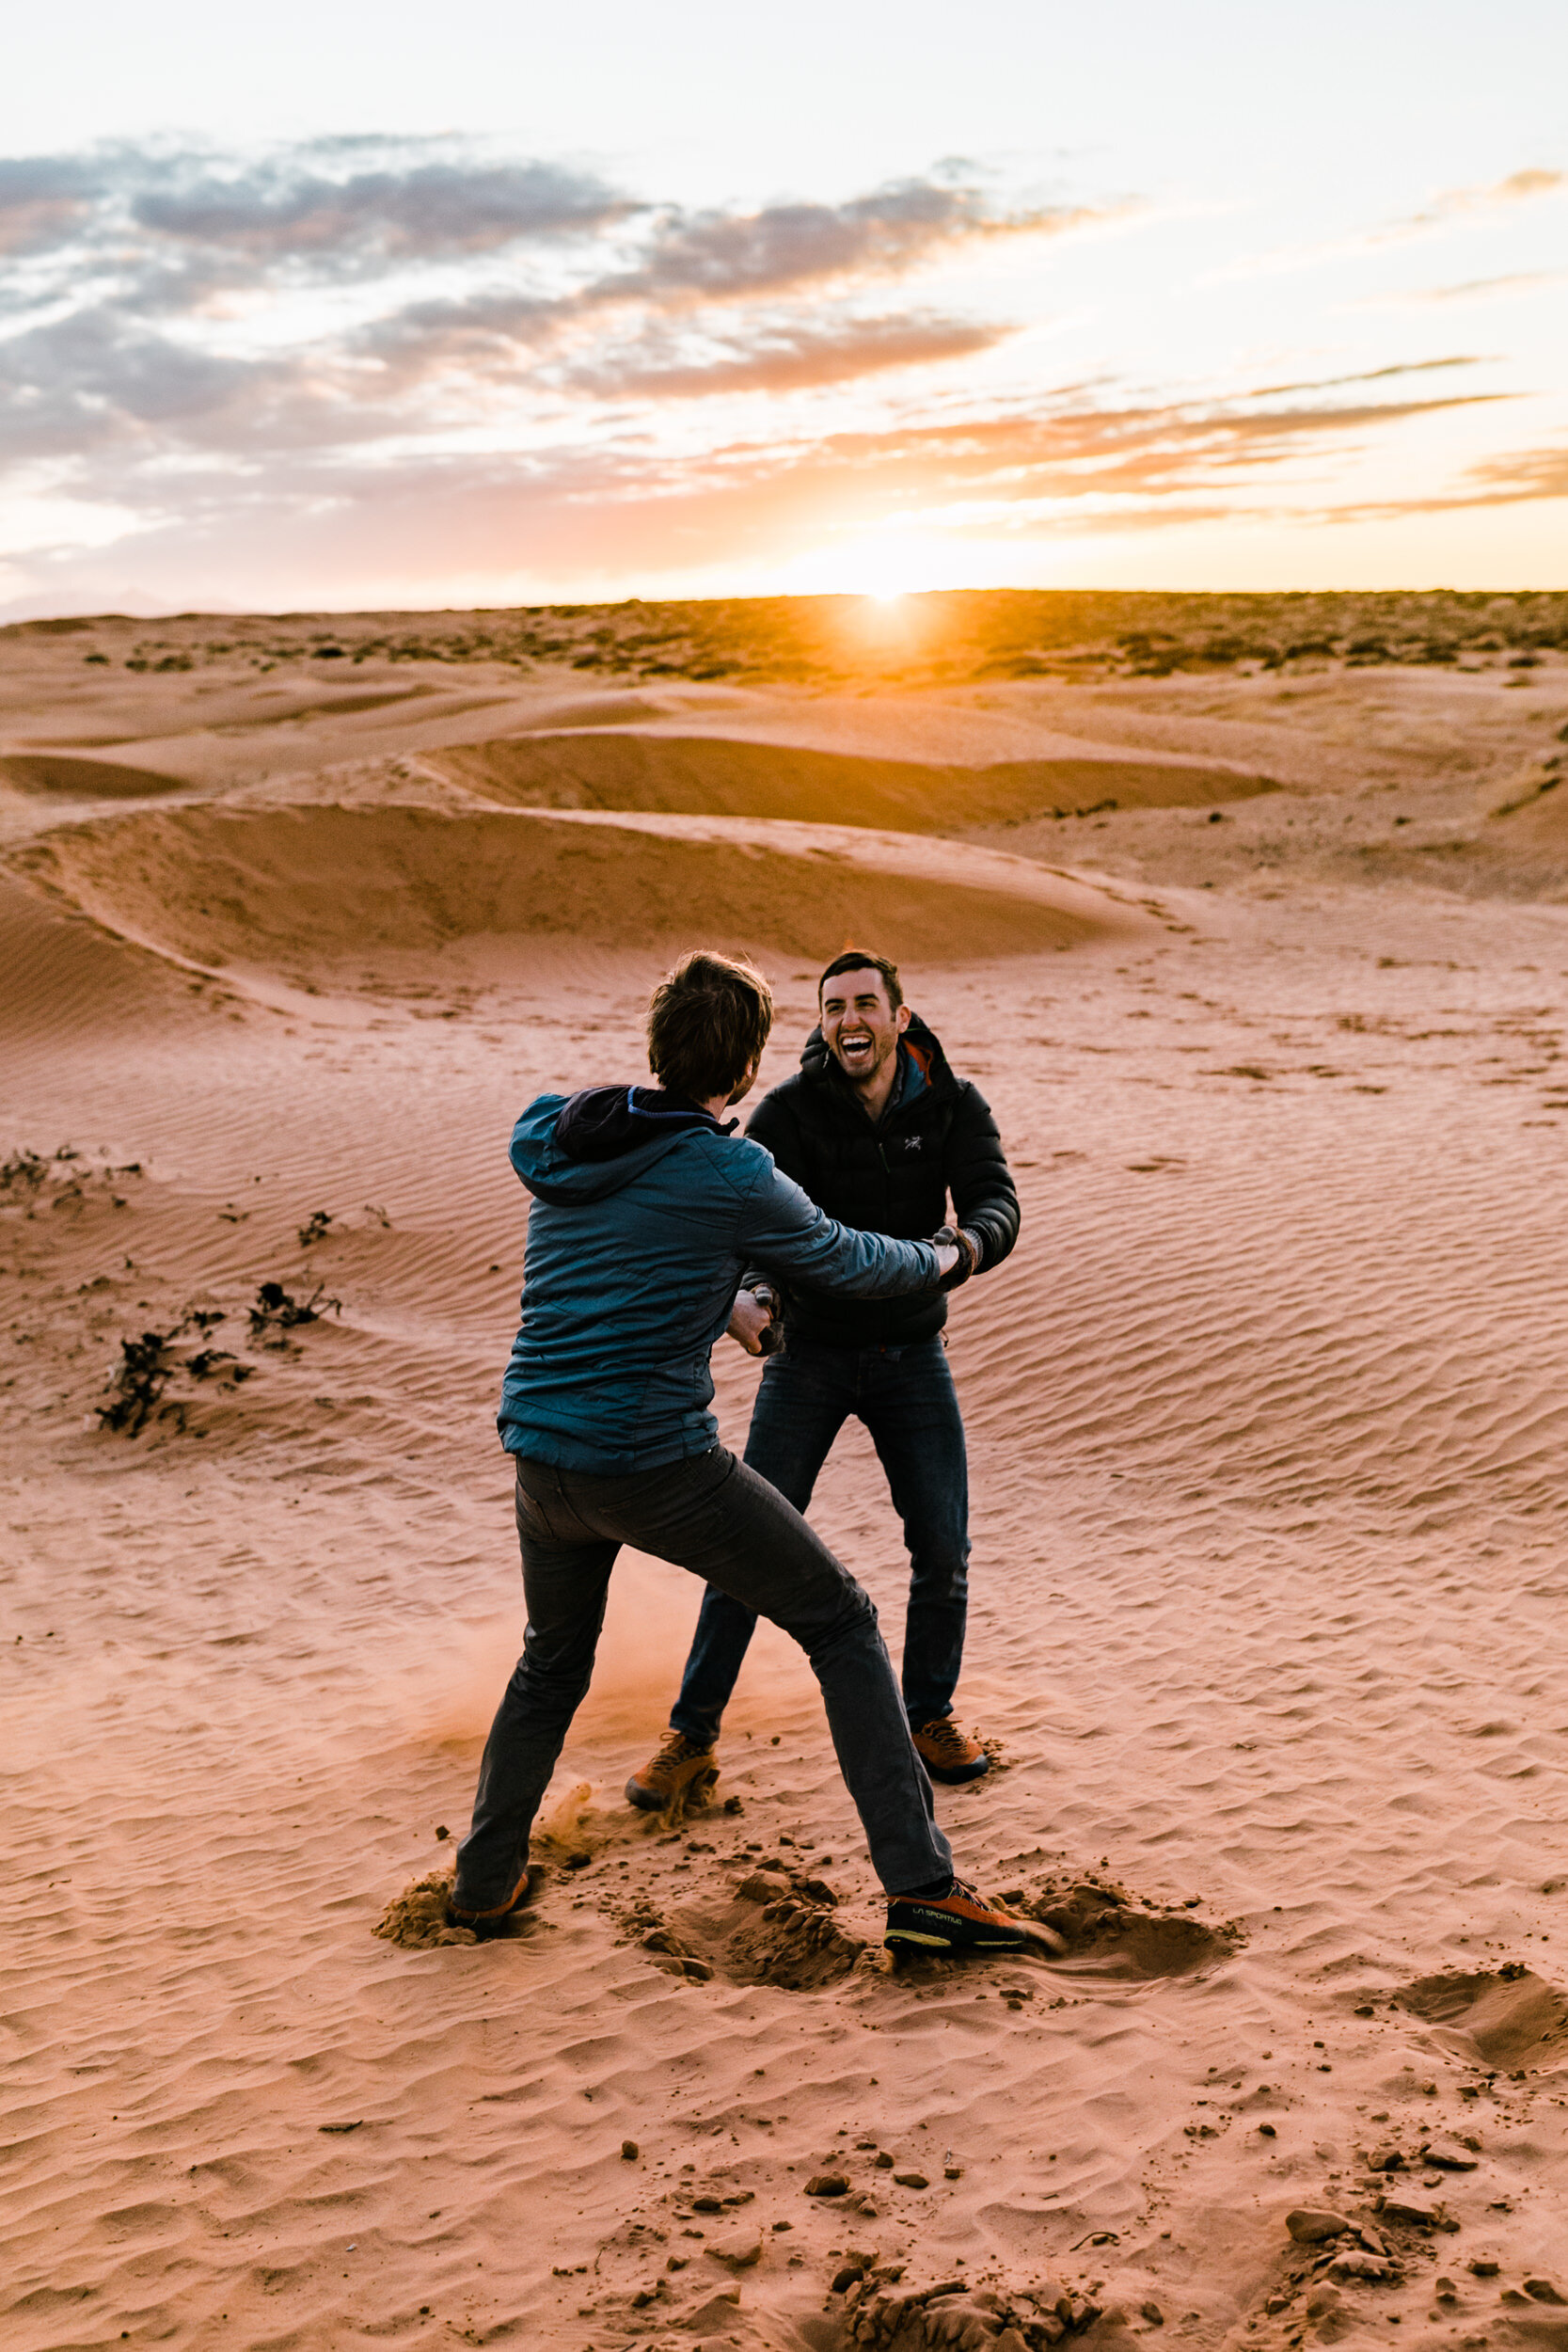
{"type": "Point", "coordinates": [756, 1324]}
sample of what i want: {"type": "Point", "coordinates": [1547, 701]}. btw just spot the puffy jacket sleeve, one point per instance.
{"type": "Point", "coordinates": [783, 1233]}
{"type": "Point", "coordinates": [985, 1196]}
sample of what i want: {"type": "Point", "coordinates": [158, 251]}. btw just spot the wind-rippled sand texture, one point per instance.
{"type": "Point", "coordinates": [1267, 1427]}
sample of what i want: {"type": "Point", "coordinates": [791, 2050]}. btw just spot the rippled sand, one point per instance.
{"type": "Point", "coordinates": [1267, 1428]}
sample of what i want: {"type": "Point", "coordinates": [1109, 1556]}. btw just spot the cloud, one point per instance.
{"type": "Point", "coordinates": [1470, 290]}
{"type": "Point", "coordinates": [1096, 450]}
{"type": "Point", "coordinates": [372, 345]}
{"type": "Point", "coordinates": [1367, 376]}
{"type": "Point", "coordinates": [434, 209]}
{"type": "Point", "coordinates": [1519, 187]}
{"type": "Point", "coordinates": [43, 199]}
{"type": "Point", "coordinates": [781, 356]}
{"type": "Point", "coordinates": [1514, 478]}
{"type": "Point", "coordinates": [97, 378]}
{"type": "Point", "coordinates": [464, 271]}
{"type": "Point", "coordinates": [722, 256]}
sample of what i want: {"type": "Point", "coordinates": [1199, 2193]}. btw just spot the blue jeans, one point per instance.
{"type": "Point", "coordinates": [712, 1515]}
{"type": "Point", "coordinates": [906, 1398]}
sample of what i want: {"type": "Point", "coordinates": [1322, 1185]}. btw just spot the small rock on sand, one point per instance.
{"type": "Point", "coordinates": [1449, 2156]}
{"type": "Point", "coordinates": [1409, 2209]}
{"type": "Point", "coordinates": [1309, 2225]}
{"type": "Point", "coordinates": [911, 2179]}
{"type": "Point", "coordinates": [826, 2184]}
{"type": "Point", "coordinates": [1542, 2291]}
{"type": "Point", "coordinates": [1369, 2266]}
{"type": "Point", "coordinates": [718, 2311]}
{"type": "Point", "coordinates": [740, 2254]}
{"type": "Point", "coordinates": [628, 2151]}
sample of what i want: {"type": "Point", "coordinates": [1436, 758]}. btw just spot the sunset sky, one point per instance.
{"type": "Point", "coordinates": [395, 306]}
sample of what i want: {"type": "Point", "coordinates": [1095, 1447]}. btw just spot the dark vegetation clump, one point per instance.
{"type": "Point", "coordinates": [140, 1378]}
{"type": "Point", "coordinates": [69, 1175]}
{"type": "Point", "coordinates": [147, 1363]}
{"type": "Point", "coordinates": [23, 1175]}
{"type": "Point", "coordinates": [276, 1314]}
{"type": "Point", "coordinates": [148, 1360]}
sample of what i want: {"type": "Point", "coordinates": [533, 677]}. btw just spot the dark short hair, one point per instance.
{"type": "Point", "coordinates": [708, 1020]}
{"type": "Point", "coordinates": [858, 959]}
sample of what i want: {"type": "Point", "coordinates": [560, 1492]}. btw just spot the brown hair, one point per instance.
{"type": "Point", "coordinates": [708, 1020]}
{"type": "Point", "coordinates": [856, 959]}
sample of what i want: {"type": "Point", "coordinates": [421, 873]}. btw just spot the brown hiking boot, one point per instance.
{"type": "Point", "coordinates": [949, 1754]}
{"type": "Point", "coordinates": [486, 1924]}
{"type": "Point", "coordinates": [680, 1768]}
{"type": "Point", "coordinates": [958, 1922]}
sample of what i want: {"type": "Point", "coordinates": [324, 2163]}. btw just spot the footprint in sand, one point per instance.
{"type": "Point", "coordinates": [1508, 2017]}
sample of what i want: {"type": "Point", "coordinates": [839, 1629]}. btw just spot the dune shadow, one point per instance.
{"type": "Point", "coordinates": [60, 778]}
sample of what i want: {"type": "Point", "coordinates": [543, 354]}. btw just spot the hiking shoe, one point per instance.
{"type": "Point", "coordinates": [678, 1769]}
{"type": "Point", "coordinates": [949, 1754]}
{"type": "Point", "coordinates": [958, 1922]}
{"type": "Point", "coordinates": [487, 1923]}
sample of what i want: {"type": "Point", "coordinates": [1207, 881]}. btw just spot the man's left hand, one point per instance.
{"type": "Point", "coordinates": [753, 1317]}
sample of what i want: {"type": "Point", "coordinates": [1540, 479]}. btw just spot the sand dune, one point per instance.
{"type": "Point", "coordinates": [62, 975]}
{"type": "Point", "coordinates": [321, 890]}
{"type": "Point", "coordinates": [736, 778]}
{"type": "Point", "coordinates": [1266, 1421]}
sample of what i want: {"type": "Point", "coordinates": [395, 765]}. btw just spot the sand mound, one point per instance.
{"type": "Point", "coordinates": [365, 895]}
{"type": "Point", "coordinates": [717, 775]}
{"type": "Point", "coordinates": [779, 1928]}
{"type": "Point", "coordinates": [417, 1921]}
{"type": "Point", "coordinates": [1511, 2016]}
{"type": "Point", "coordinates": [1110, 1932]}
{"type": "Point", "coordinates": [83, 779]}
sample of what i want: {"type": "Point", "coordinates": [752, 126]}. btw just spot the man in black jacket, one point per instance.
{"type": "Point", "coordinates": [878, 1130]}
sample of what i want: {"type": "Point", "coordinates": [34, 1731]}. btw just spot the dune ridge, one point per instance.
{"type": "Point", "coordinates": [328, 890]}
{"type": "Point", "coordinates": [734, 777]}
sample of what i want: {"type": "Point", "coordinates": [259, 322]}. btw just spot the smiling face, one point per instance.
{"type": "Point", "coordinates": [861, 1029]}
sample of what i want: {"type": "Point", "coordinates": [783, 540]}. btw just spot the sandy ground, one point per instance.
{"type": "Point", "coordinates": [1267, 1424]}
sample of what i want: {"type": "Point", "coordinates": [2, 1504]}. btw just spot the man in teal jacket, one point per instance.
{"type": "Point", "coordinates": [646, 1209]}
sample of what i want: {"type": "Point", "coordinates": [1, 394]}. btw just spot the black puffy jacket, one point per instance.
{"type": "Point", "coordinates": [936, 1136]}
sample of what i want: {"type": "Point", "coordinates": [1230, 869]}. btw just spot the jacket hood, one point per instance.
{"type": "Point", "coordinates": [919, 1049]}
{"type": "Point", "coordinates": [581, 1147]}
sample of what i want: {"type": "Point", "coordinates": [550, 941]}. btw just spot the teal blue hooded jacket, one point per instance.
{"type": "Point", "coordinates": [645, 1213]}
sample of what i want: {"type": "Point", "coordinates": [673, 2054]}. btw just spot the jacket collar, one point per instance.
{"type": "Point", "coordinates": [602, 1122]}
